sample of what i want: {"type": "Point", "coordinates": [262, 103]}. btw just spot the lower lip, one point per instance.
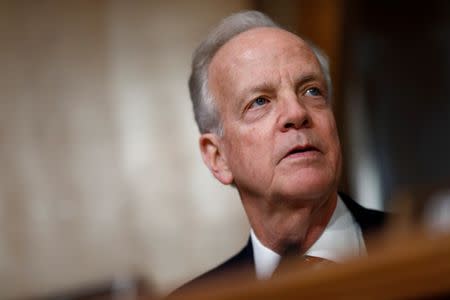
{"type": "Point", "coordinates": [306, 154]}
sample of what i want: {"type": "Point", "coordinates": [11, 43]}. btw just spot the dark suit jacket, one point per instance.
{"type": "Point", "coordinates": [369, 221]}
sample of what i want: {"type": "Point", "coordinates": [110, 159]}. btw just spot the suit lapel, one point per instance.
{"type": "Point", "coordinates": [369, 220]}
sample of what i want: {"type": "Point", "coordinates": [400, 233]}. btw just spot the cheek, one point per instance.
{"type": "Point", "coordinates": [329, 125]}
{"type": "Point", "coordinates": [248, 146]}
{"type": "Point", "coordinates": [249, 149]}
{"type": "Point", "coordinates": [329, 135]}
{"type": "Point", "coordinates": [334, 143]}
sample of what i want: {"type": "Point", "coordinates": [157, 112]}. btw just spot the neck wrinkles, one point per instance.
{"type": "Point", "coordinates": [299, 227]}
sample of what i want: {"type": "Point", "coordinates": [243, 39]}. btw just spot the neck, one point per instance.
{"type": "Point", "coordinates": [298, 227]}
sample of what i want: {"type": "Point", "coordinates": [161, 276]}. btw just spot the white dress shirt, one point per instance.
{"type": "Point", "coordinates": [341, 238]}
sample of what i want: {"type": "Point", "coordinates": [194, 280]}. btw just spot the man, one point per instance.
{"type": "Point", "coordinates": [262, 101]}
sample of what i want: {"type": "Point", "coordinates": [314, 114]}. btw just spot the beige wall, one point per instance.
{"type": "Point", "coordinates": [100, 176]}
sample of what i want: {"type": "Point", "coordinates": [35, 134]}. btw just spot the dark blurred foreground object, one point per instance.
{"type": "Point", "coordinates": [408, 260]}
{"type": "Point", "coordinates": [415, 266]}
{"type": "Point", "coordinates": [118, 289]}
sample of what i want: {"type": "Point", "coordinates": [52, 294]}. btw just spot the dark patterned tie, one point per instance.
{"type": "Point", "coordinates": [291, 260]}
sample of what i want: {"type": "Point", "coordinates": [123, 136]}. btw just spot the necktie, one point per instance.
{"type": "Point", "coordinates": [292, 261]}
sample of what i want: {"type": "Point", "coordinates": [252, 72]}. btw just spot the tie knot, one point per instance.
{"type": "Point", "coordinates": [315, 262]}
{"type": "Point", "coordinates": [304, 262]}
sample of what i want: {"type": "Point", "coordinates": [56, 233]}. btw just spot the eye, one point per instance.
{"type": "Point", "coordinates": [313, 92]}
{"type": "Point", "coordinates": [260, 101]}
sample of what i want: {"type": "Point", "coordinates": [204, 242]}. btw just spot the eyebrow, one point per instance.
{"type": "Point", "coordinates": [308, 78]}
{"type": "Point", "coordinates": [268, 87]}
{"type": "Point", "coordinates": [263, 86]}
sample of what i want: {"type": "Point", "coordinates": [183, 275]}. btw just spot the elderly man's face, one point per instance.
{"type": "Point", "coordinates": [280, 139]}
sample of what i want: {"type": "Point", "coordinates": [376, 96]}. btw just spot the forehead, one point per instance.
{"type": "Point", "coordinates": [259, 52]}
{"type": "Point", "coordinates": [250, 40]}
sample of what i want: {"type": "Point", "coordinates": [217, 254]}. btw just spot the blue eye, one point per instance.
{"type": "Point", "coordinates": [260, 101]}
{"type": "Point", "coordinates": [314, 92]}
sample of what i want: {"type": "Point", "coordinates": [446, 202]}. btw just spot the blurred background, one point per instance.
{"type": "Point", "coordinates": [102, 187]}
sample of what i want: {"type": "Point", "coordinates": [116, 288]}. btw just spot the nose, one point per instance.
{"type": "Point", "coordinates": [294, 114]}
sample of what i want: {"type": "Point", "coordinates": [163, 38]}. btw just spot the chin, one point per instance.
{"type": "Point", "coordinates": [298, 191]}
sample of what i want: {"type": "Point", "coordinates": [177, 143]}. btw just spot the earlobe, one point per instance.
{"type": "Point", "coordinates": [214, 158]}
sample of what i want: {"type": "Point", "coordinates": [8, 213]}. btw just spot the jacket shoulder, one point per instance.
{"type": "Point", "coordinates": [241, 262]}
{"type": "Point", "coordinates": [370, 220]}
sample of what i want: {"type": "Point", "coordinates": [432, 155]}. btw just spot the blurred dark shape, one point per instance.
{"type": "Point", "coordinates": [423, 208]}
{"type": "Point", "coordinates": [397, 55]}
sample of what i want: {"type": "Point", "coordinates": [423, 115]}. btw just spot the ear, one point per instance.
{"type": "Point", "coordinates": [214, 157]}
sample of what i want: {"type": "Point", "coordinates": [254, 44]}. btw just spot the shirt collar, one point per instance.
{"type": "Point", "coordinates": [341, 238]}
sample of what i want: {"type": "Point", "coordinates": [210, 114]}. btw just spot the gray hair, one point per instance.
{"type": "Point", "coordinates": [205, 110]}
